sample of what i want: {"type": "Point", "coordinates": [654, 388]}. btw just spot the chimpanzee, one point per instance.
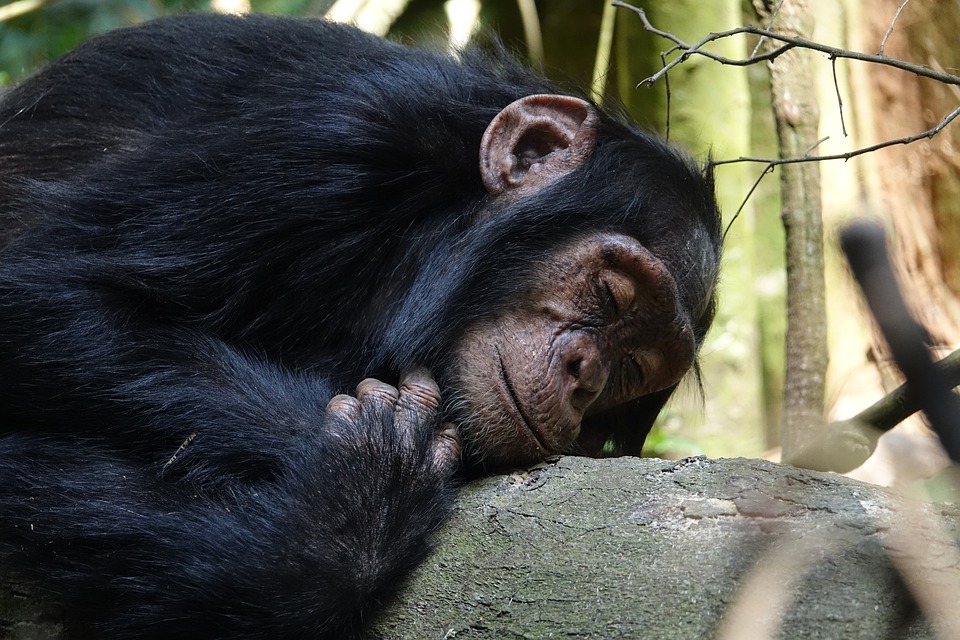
{"type": "Point", "coordinates": [214, 228]}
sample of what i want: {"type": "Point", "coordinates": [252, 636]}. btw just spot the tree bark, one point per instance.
{"type": "Point", "coordinates": [915, 190]}
{"type": "Point", "coordinates": [920, 183]}
{"type": "Point", "coordinates": [797, 116]}
{"type": "Point", "coordinates": [645, 548]}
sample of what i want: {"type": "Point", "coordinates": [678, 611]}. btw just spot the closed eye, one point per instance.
{"type": "Point", "coordinates": [609, 300]}
{"type": "Point", "coordinates": [617, 292]}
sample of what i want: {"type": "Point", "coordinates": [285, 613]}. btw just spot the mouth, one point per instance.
{"type": "Point", "coordinates": [515, 407]}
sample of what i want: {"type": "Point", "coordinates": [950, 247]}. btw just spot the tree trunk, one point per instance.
{"type": "Point", "coordinates": [920, 183]}
{"type": "Point", "coordinates": [915, 189]}
{"type": "Point", "coordinates": [797, 115]}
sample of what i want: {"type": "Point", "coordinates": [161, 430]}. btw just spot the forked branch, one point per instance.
{"type": "Point", "coordinates": [789, 42]}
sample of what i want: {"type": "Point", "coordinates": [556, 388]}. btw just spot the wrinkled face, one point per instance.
{"type": "Point", "coordinates": [599, 325]}
{"type": "Point", "coordinates": [601, 321]}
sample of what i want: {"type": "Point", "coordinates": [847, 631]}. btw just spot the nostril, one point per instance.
{"type": "Point", "coordinates": [581, 398]}
{"type": "Point", "coordinates": [583, 372]}
{"type": "Point", "coordinates": [585, 381]}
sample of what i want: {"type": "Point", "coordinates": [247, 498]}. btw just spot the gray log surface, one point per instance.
{"type": "Point", "coordinates": [646, 548]}
{"type": "Point", "coordinates": [650, 549]}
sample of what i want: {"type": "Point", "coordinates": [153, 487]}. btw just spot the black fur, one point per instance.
{"type": "Point", "coordinates": [211, 225]}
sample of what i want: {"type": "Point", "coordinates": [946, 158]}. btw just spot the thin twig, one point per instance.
{"type": "Point", "coordinates": [790, 42]}
{"type": "Point", "coordinates": [936, 66]}
{"type": "Point", "coordinates": [773, 18]}
{"type": "Point", "coordinates": [815, 145]}
{"type": "Point", "coordinates": [836, 86]}
{"type": "Point", "coordinates": [768, 169]}
{"type": "Point", "coordinates": [893, 22]}
{"type": "Point", "coordinates": [666, 84]}
{"type": "Point", "coordinates": [929, 133]}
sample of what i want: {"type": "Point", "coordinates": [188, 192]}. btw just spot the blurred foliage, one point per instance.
{"type": "Point", "coordinates": [30, 40]}
{"type": "Point", "coordinates": [570, 27]}
{"type": "Point", "coordinates": [661, 445]}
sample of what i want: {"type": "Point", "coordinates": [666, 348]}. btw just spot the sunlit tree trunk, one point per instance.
{"type": "Point", "coordinates": [797, 115]}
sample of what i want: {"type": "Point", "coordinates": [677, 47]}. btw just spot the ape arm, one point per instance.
{"type": "Point", "coordinates": [114, 376]}
{"type": "Point", "coordinates": [177, 562]}
{"type": "Point", "coordinates": [296, 514]}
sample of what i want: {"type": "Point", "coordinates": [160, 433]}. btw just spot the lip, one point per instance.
{"type": "Point", "coordinates": [515, 402]}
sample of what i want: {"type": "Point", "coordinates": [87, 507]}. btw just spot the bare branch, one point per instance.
{"type": "Point", "coordinates": [893, 22]}
{"type": "Point", "coordinates": [789, 42]}
{"type": "Point", "coordinates": [933, 72]}
{"type": "Point", "coordinates": [688, 49]}
{"type": "Point", "coordinates": [935, 65]}
{"type": "Point", "coordinates": [756, 183]}
{"type": "Point", "coordinates": [666, 84]}
{"type": "Point", "coordinates": [929, 133]}
{"type": "Point", "coordinates": [836, 86]}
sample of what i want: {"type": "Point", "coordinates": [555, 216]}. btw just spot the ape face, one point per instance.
{"type": "Point", "coordinates": [601, 326]}
{"type": "Point", "coordinates": [600, 321]}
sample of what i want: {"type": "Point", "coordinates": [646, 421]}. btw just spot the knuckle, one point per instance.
{"type": "Point", "coordinates": [344, 406]}
{"type": "Point", "coordinates": [419, 389]}
{"type": "Point", "coordinates": [373, 389]}
{"type": "Point", "coordinates": [419, 397]}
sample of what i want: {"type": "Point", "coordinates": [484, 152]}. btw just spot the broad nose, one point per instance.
{"type": "Point", "coordinates": [584, 371]}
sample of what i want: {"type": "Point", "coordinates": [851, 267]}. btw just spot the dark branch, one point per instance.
{"type": "Point", "coordinates": [864, 244]}
{"type": "Point", "coordinates": [790, 42]}
{"type": "Point", "coordinates": [929, 133]}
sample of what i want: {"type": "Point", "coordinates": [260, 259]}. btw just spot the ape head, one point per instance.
{"type": "Point", "coordinates": [585, 285]}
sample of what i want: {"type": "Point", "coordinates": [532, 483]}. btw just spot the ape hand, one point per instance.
{"type": "Point", "coordinates": [413, 410]}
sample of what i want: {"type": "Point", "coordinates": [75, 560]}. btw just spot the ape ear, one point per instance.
{"type": "Point", "coordinates": [535, 140]}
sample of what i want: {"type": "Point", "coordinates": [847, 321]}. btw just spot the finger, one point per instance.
{"type": "Point", "coordinates": [447, 448]}
{"type": "Point", "coordinates": [419, 391]}
{"type": "Point", "coordinates": [418, 409]}
{"type": "Point", "coordinates": [376, 397]}
{"type": "Point", "coordinates": [344, 407]}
